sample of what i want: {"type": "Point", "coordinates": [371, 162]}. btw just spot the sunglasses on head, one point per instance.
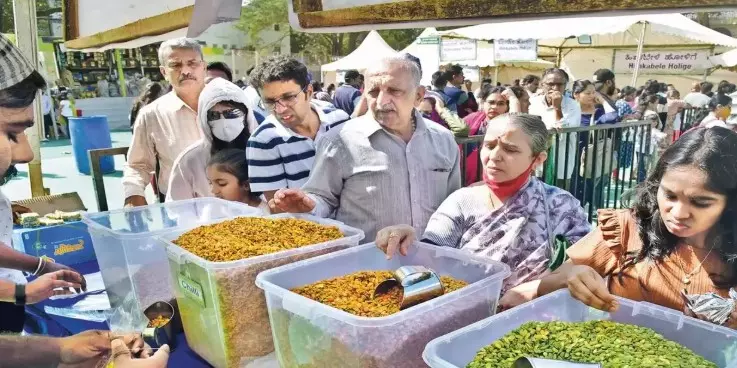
{"type": "Point", "coordinates": [227, 114]}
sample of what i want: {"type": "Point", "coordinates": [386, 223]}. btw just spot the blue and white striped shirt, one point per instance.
{"type": "Point", "coordinates": [280, 158]}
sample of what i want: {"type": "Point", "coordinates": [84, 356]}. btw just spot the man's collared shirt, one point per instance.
{"type": "Point", "coordinates": [280, 158]}
{"type": "Point", "coordinates": [163, 129]}
{"type": "Point", "coordinates": [369, 178]}
{"type": "Point", "coordinates": [567, 142]}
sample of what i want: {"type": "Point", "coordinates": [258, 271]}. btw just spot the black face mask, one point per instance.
{"type": "Point", "coordinates": [11, 173]}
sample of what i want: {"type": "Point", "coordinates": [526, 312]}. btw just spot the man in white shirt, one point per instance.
{"type": "Point", "coordinates": [700, 99]}
{"type": "Point", "coordinates": [559, 111]}
{"type": "Point", "coordinates": [164, 128]}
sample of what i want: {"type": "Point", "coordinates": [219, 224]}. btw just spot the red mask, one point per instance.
{"type": "Point", "coordinates": [506, 189]}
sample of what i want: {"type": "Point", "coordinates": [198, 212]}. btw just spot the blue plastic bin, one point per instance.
{"type": "Point", "coordinates": [87, 133]}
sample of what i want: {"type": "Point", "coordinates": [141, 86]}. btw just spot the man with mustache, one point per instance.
{"type": "Point", "coordinates": [164, 128]}
{"type": "Point", "coordinates": [388, 166]}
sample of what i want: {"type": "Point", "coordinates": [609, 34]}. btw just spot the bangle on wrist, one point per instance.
{"type": "Point", "coordinates": [39, 268]}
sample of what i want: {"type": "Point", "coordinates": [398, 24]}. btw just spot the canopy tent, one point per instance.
{"type": "Point", "coordinates": [94, 25]}
{"type": "Point", "coordinates": [427, 48]}
{"type": "Point", "coordinates": [372, 49]}
{"type": "Point", "coordinates": [610, 37]}
{"type": "Point", "coordinates": [727, 59]}
{"type": "Point", "coordinates": [363, 15]}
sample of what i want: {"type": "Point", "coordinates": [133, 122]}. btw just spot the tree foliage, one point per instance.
{"type": "Point", "coordinates": [7, 21]}
{"type": "Point", "coordinates": [260, 15]}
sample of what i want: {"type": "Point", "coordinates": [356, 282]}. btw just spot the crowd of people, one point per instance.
{"type": "Point", "coordinates": [378, 153]}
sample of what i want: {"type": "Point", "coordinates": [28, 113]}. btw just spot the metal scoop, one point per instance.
{"type": "Point", "coordinates": [547, 363]}
{"type": "Point", "coordinates": [419, 284]}
{"type": "Point", "coordinates": [156, 337]}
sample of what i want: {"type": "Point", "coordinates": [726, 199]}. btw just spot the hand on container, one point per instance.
{"type": "Point", "coordinates": [51, 267]}
{"type": "Point", "coordinates": [292, 201]}
{"type": "Point", "coordinates": [135, 201]}
{"type": "Point", "coordinates": [53, 283]}
{"type": "Point", "coordinates": [586, 285]}
{"type": "Point", "coordinates": [730, 323]}
{"type": "Point", "coordinates": [519, 295]}
{"type": "Point", "coordinates": [123, 356]}
{"type": "Point", "coordinates": [395, 238]}
{"type": "Point", "coordinates": [86, 349]}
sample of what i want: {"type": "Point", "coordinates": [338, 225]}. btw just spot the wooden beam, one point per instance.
{"type": "Point", "coordinates": [70, 18]}
{"type": "Point", "coordinates": [420, 10]}
{"type": "Point", "coordinates": [156, 25]}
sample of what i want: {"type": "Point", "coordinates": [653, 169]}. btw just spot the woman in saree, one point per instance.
{"type": "Point", "coordinates": [512, 217]}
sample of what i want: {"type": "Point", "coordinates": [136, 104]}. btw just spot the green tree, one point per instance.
{"type": "Point", "coordinates": [7, 21]}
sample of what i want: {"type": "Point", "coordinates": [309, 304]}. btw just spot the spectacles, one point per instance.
{"type": "Point", "coordinates": [177, 65]}
{"type": "Point", "coordinates": [227, 114]}
{"type": "Point", "coordinates": [287, 100]}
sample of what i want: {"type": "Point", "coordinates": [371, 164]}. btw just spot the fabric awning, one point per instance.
{"type": "Point", "coordinates": [372, 49]}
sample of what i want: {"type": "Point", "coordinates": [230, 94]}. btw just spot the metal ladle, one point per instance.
{"type": "Point", "coordinates": [156, 337]}
{"type": "Point", "coordinates": [419, 284]}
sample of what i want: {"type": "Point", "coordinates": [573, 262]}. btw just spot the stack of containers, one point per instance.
{"type": "Point", "coordinates": [133, 264]}
{"type": "Point", "coordinates": [456, 350]}
{"type": "Point", "coordinates": [223, 312]}
{"type": "Point", "coordinates": [310, 334]}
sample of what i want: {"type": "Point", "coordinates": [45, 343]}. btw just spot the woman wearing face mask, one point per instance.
{"type": "Point", "coordinates": [720, 108]}
{"type": "Point", "coordinates": [226, 123]}
{"type": "Point", "coordinates": [680, 235]}
{"type": "Point", "coordinates": [512, 217]}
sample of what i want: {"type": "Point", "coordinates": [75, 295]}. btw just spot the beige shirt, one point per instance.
{"type": "Point", "coordinates": [162, 130]}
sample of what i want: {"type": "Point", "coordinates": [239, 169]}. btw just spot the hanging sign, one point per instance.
{"type": "Point", "coordinates": [457, 49]}
{"type": "Point", "coordinates": [661, 62]}
{"type": "Point", "coordinates": [515, 50]}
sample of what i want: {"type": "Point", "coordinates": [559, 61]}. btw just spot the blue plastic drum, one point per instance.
{"type": "Point", "coordinates": [88, 133]}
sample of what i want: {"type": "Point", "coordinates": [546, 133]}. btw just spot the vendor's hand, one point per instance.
{"type": "Point", "coordinates": [586, 285]}
{"type": "Point", "coordinates": [135, 345]}
{"type": "Point", "coordinates": [86, 349]}
{"type": "Point", "coordinates": [18, 210]}
{"type": "Point", "coordinates": [50, 267]}
{"type": "Point", "coordinates": [135, 201]}
{"type": "Point", "coordinates": [123, 358]}
{"type": "Point", "coordinates": [54, 283]}
{"type": "Point", "coordinates": [395, 238]}
{"type": "Point", "coordinates": [518, 295]}
{"type": "Point", "coordinates": [730, 323]}
{"type": "Point", "coordinates": [556, 99]}
{"type": "Point", "coordinates": [292, 201]}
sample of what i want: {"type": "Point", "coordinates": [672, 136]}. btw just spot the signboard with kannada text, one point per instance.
{"type": "Point", "coordinates": [515, 50]}
{"type": "Point", "coordinates": [457, 49]}
{"type": "Point", "coordinates": [662, 62]}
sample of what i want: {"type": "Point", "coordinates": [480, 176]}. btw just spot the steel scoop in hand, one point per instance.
{"type": "Point", "coordinates": [419, 284]}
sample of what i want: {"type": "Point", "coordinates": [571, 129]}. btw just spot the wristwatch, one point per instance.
{"type": "Point", "coordinates": [20, 294]}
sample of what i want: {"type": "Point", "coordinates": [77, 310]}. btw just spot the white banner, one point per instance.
{"type": "Point", "coordinates": [515, 50]}
{"type": "Point", "coordinates": [662, 62]}
{"type": "Point", "coordinates": [457, 49]}
{"type": "Point", "coordinates": [472, 74]}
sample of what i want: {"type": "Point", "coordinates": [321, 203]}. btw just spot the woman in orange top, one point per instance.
{"type": "Point", "coordinates": [681, 233]}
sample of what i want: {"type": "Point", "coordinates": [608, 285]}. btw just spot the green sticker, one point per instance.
{"type": "Point", "coordinates": [192, 290]}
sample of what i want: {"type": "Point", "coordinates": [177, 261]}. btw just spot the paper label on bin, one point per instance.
{"type": "Point", "coordinates": [191, 289]}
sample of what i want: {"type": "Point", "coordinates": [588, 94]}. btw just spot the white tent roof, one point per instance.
{"type": "Point", "coordinates": [663, 29]}
{"type": "Point", "coordinates": [372, 49]}
{"type": "Point", "coordinates": [727, 59]}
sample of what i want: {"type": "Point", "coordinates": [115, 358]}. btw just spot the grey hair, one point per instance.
{"type": "Point", "coordinates": [178, 43]}
{"type": "Point", "coordinates": [400, 62]}
{"type": "Point", "coordinates": [533, 126]}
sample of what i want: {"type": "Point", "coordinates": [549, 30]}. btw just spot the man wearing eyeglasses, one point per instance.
{"type": "Point", "coordinates": [164, 128]}
{"type": "Point", "coordinates": [281, 151]}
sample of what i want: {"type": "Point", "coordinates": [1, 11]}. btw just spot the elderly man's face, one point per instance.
{"type": "Point", "coordinates": [392, 97]}
{"type": "Point", "coordinates": [14, 146]}
{"type": "Point", "coordinates": [185, 70]}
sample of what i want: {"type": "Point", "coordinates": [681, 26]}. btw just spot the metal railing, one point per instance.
{"type": "Point", "coordinates": [691, 116]}
{"type": "Point", "coordinates": [96, 172]}
{"type": "Point", "coordinates": [597, 164]}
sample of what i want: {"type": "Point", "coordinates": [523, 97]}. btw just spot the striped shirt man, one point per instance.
{"type": "Point", "coordinates": [280, 158]}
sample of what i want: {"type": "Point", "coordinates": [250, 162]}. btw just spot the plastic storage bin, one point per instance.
{"type": "Point", "coordinates": [311, 334]}
{"type": "Point", "coordinates": [223, 312]}
{"type": "Point", "coordinates": [133, 264]}
{"type": "Point", "coordinates": [87, 133]}
{"type": "Point", "coordinates": [458, 349]}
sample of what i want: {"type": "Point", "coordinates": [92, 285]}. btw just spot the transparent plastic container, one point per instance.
{"type": "Point", "coordinates": [133, 264]}
{"type": "Point", "coordinates": [223, 312]}
{"type": "Point", "coordinates": [312, 334]}
{"type": "Point", "coordinates": [457, 349]}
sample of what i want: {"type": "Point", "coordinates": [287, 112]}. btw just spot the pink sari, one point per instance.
{"type": "Point", "coordinates": [477, 125]}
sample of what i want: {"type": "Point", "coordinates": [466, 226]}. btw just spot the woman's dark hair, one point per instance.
{"type": "Point", "coordinates": [581, 85]}
{"type": "Point", "coordinates": [150, 94]}
{"type": "Point", "coordinates": [239, 142]}
{"type": "Point", "coordinates": [487, 90]}
{"type": "Point", "coordinates": [558, 71]}
{"type": "Point", "coordinates": [713, 151]}
{"type": "Point", "coordinates": [626, 91]}
{"type": "Point", "coordinates": [233, 162]}
{"type": "Point", "coordinates": [439, 80]}
{"type": "Point", "coordinates": [22, 94]}
{"type": "Point", "coordinates": [719, 100]}
{"type": "Point", "coordinates": [530, 78]}
{"type": "Point", "coordinates": [331, 87]}
{"type": "Point", "coordinates": [518, 91]}
{"type": "Point", "coordinates": [316, 86]}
